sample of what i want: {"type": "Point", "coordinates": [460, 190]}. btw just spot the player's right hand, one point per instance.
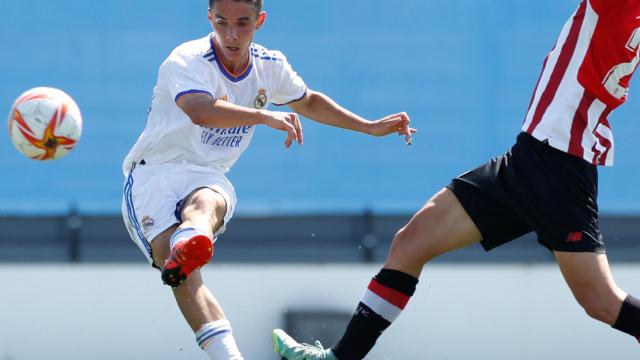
{"type": "Point", "coordinates": [285, 121]}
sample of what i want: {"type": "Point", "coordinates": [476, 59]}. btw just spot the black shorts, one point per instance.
{"type": "Point", "coordinates": [533, 187]}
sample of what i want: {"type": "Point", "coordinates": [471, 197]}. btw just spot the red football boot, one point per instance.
{"type": "Point", "coordinates": [186, 256]}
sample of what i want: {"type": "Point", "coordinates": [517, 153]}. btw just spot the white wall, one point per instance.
{"type": "Point", "coordinates": [497, 312]}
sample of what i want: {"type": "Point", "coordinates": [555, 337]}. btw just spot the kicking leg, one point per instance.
{"type": "Point", "coordinates": [589, 278]}
{"type": "Point", "coordinates": [202, 215]}
{"type": "Point", "coordinates": [440, 226]}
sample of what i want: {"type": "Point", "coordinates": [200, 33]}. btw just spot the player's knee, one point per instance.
{"type": "Point", "coordinates": [408, 245]}
{"type": "Point", "coordinates": [201, 201]}
{"type": "Point", "coordinates": [206, 204]}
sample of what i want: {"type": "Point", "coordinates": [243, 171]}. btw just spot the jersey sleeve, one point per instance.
{"type": "Point", "coordinates": [185, 76]}
{"type": "Point", "coordinates": [289, 86]}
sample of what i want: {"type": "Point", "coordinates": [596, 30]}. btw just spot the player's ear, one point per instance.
{"type": "Point", "coordinates": [210, 16]}
{"type": "Point", "coordinates": [261, 18]}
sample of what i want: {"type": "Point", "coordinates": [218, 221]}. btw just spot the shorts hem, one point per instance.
{"type": "Point", "coordinates": [455, 188]}
{"type": "Point", "coordinates": [591, 249]}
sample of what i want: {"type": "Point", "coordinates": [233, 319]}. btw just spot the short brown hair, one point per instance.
{"type": "Point", "coordinates": [257, 4]}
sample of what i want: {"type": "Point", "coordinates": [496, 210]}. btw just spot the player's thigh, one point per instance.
{"type": "Point", "coordinates": [440, 226]}
{"type": "Point", "coordinates": [160, 247]}
{"type": "Point", "coordinates": [205, 203]}
{"type": "Point", "coordinates": [589, 278]}
{"type": "Point", "coordinates": [208, 195]}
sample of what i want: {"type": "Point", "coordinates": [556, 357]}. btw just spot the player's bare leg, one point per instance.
{"type": "Point", "coordinates": [589, 278]}
{"type": "Point", "coordinates": [440, 226]}
{"type": "Point", "coordinates": [197, 304]}
{"type": "Point", "coordinates": [202, 215]}
{"type": "Point", "coordinates": [204, 209]}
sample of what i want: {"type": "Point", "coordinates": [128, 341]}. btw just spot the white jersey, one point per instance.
{"type": "Point", "coordinates": [195, 67]}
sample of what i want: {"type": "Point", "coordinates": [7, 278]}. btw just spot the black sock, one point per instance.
{"type": "Point", "coordinates": [629, 318]}
{"type": "Point", "coordinates": [387, 295]}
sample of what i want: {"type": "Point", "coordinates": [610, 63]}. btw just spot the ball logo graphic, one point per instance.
{"type": "Point", "coordinates": [45, 123]}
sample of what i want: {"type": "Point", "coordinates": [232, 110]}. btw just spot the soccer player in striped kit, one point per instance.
{"type": "Point", "coordinates": [546, 183]}
{"type": "Point", "coordinates": [210, 96]}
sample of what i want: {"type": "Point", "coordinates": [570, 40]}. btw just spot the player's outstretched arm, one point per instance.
{"type": "Point", "coordinates": [321, 108]}
{"type": "Point", "coordinates": [205, 111]}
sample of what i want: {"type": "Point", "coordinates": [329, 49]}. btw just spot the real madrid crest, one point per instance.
{"type": "Point", "coordinates": [261, 100]}
{"type": "Point", "coordinates": [147, 223]}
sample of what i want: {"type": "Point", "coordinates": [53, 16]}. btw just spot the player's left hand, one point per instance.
{"type": "Point", "coordinates": [396, 123]}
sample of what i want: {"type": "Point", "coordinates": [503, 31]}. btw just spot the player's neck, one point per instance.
{"type": "Point", "coordinates": [232, 67]}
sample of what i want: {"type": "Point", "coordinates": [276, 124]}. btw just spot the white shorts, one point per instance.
{"type": "Point", "coordinates": [153, 195]}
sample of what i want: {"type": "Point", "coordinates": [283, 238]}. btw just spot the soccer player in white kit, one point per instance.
{"type": "Point", "coordinates": [546, 183]}
{"type": "Point", "coordinates": [210, 96]}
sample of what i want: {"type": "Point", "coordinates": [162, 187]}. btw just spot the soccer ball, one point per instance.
{"type": "Point", "coordinates": [45, 123]}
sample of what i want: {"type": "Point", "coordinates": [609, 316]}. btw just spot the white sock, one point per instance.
{"type": "Point", "coordinates": [216, 339]}
{"type": "Point", "coordinates": [184, 234]}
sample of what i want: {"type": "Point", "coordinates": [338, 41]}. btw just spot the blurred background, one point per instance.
{"type": "Point", "coordinates": [320, 216]}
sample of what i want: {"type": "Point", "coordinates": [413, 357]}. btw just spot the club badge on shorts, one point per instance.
{"type": "Point", "coordinates": [261, 100]}
{"type": "Point", "coordinates": [147, 223]}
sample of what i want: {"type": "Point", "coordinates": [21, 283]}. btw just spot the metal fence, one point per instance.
{"type": "Point", "coordinates": [361, 237]}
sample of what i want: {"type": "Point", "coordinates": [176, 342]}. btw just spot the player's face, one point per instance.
{"type": "Point", "coordinates": [234, 23]}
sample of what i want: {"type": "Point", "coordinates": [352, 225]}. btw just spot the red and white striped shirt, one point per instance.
{"type": "Point", "coordinates": [585, 77]}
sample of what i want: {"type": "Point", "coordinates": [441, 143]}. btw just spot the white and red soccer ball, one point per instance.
{"type": "Point", "coordinates": [45, 123]}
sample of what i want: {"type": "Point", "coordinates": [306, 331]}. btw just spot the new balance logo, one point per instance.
{"type": "Point", "coordinates": [574, 236]}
